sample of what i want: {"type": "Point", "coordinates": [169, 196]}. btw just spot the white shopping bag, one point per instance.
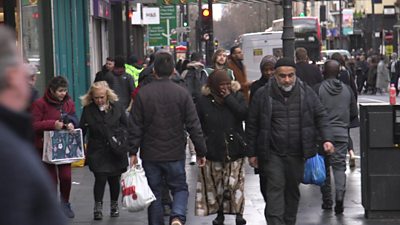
{"type": "Point", "coordinates": [63, 147]}
{"type": "Point", "coordinates": [136, 193]}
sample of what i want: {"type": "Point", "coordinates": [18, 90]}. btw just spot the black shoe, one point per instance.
{"type": "Point", "coordinates": [240, 220]}
{"type": "Point", "coordinates": [68, 211]}
{"type": "Point", "coordinates": [219, 220]}
{"type": "Point", "coordinates": [114, 209]}
{"type": "Point", "coordinates": [326, 206]}
{"type": "Point", "coordinates": [97, 211]}
{"type": "Point", "coordinates": [339, 207]}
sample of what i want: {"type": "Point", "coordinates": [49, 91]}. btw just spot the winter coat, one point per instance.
{"type": "Point", "coordinates": [257, 85]}
{"type": "Point", "coordinates": [239, 71]}
{"type": "Point", "coordinates": [161, 113]}
{"type": "Point", "coordinates": [308, 73]}
{"type": "Point", "coordinates": [222, 124]}
{"type": "Point", "coordinates": [313, 119]}
{"type": "Point", "coordinates": [95, 124]}
{"type": "Point", "coordinates": [46, 111]}
{"type": "Point", "coordinates": [341, 105]}
{"type": "Point", "coordinates": [383, 76]}
{"type": "Point", "coordinates": [27, 193]}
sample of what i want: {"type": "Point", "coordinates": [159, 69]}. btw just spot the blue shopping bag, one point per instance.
{"type": "Point", "coordinates": [314, 171]}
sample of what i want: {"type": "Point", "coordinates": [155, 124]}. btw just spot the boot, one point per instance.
{"type": "Point", "coordinates": [97, 211]}
{"type": "Point", "coordinates": [219, 220]}
{"type": "Point", "coordinates": [240, 220]}
{"type": "Point", "coordinates": [114, 209]}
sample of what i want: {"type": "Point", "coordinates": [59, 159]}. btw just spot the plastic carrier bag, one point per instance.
{"type": "Point", "coordinates": [314, 171]}
{"type": "Point", "coordinates": [136, 193]}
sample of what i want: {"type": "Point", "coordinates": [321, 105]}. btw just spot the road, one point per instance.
{"type": "Point", "coordinates": [310, 212]}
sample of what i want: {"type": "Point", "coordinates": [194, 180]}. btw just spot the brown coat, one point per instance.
{"type": "Point", "coordinates": [240, 76]}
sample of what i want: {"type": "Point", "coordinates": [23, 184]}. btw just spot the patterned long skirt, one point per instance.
{"type": "Point", "coordinates": [220, 184]}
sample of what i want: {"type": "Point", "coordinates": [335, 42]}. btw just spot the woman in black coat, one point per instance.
{"type": "Point", "coordinates": [102, 114]}
{"type": "Point", "coordinates": [220, 186]}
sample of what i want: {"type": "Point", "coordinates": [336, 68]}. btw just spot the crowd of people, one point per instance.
{"type": "Point", "coordinates": [291, 113]}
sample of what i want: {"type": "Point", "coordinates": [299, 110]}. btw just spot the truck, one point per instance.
{"type": "Point", "coordinates": [257, 45]}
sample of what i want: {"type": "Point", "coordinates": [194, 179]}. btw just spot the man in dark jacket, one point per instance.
{"type": "Point", "coordinates": [281, 128]}
{"type": "Point", "coordinates": [26, 193]}
{"type": "Point", "coordinates": [308, 73]}
{"type": "Point", "coordinates": [121, 82]}
{"type": "Point", "coordinates": [163, 111]}
{"type": "Point", "coordinates": [341, 105]}
{"type": "Point", "coordinates": [108, 67]}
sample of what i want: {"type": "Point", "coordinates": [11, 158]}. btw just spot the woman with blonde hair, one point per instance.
{"type": "Point", "coordinates": [101, 114]}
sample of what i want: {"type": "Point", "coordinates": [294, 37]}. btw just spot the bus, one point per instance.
{"type": "Point", "coordinates": [307, 32]}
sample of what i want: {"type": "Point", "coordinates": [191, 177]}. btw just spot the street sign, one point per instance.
{"type": "Point", "coordinates": [182, 29]}
{"type": "Point", "coordinates": [160, 34]}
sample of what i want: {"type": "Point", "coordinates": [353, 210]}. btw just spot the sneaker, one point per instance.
{"type": "Point", "coordinates": [176, 221]}
{"type": "Point", "coordinates": [193, 160]}
{"type": "Point", "coordinates": [68, 211]}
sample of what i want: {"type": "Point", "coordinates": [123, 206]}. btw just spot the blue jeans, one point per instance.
{"type": "Point", "coordinates": [175, 177]}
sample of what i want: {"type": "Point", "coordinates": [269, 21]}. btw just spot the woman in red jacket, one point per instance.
{"type": "Point", "coordinates": [56, 111]}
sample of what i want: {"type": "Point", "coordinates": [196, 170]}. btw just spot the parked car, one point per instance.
{"type": "Point", "coordinates": [327, 54]}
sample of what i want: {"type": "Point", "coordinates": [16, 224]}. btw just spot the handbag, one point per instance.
{"type": "Point", "coordinates": [118, 141]}
{"type": "Point", "coordinates": [314, 171]}
{"type": "Point", "coordinates": [136, 192]}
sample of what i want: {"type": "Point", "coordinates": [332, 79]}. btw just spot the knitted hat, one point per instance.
{"type": "Point", "coordinates": [267, 59]}
{"type": "Point", "coordinates": [285, 62]}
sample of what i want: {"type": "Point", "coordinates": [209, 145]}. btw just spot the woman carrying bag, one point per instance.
{"type": "Point", "coordinates": [220, 186]}
{"type": "Point", "coordinates": [102, 115]}
{"type": "Point", "coordinates": [56, 111]}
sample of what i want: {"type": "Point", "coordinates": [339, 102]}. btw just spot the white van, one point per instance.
{"type": "Point", "coordinates": [257, 45]}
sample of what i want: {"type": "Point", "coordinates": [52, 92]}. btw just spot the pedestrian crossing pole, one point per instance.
{"type": "Point", "coordinates": [288, 32]}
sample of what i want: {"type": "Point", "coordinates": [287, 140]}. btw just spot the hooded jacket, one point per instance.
{"type": "Point", "coordinates": [46, 111]}
{"type": "Point", "coordinates": [340, 104]}
{"type": "Point", "coordinates": [222, 124]}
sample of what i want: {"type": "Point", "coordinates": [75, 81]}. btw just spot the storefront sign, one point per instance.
{"type": "Point", "coordinates": [102, 9]}
{"type": "Point", "coordinates": [347, 24]}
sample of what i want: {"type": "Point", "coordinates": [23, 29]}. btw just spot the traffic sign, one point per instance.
{"type": "Point", "coordinates": [160, 34]}
{"type": "Point", "coordinates": [182, 30]}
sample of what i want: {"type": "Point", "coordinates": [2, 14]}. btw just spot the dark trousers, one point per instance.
{"type": "Point", "coordinates": [395, 81]}
{"type": "Point", "coordinates": [61, 173]}
{"type": "Point", "coordinates": [100, 185]}
{"type": "Point", "coordinates": [175, 178]}
{"type": "Point", "coordinates": [282, 175]}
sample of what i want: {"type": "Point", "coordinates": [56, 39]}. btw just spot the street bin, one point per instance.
{"type": "Point", "coordinates": [380, 160]}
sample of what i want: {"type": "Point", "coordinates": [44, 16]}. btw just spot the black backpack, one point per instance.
{"type": "Point", "coordinates": [194, 80]}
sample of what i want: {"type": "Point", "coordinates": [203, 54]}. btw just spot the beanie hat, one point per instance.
{"type": "Point", "coordinates": [267, 59]}
{"type": "Point", "coordinates": [285, 61]}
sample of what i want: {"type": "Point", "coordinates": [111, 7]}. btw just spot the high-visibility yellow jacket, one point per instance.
{"type": "Point", "coordinates": [134, 72]}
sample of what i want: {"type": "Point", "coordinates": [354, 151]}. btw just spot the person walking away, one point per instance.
{"type": "Point", "coordinates": [56, 111]}
{"type": "Point", "coordinates": [308, 73]}
{"type": "Point", "coordinates": [108, 67]}
{"type": "Point", "coordinates": [132, 68]}
{"type": "Point", "coordinates": [220, 184]}
{"type": "Point", "coordinates": [395, 71]}
{"type": "Point", "coordinates": [235, 63]}
{"type": "Point", "coordinates": [163, 111]}
{"type": "Point", "coordinates": [341, 105]}
{"type": "Point", "coordinates": [195, 78]}
{"type": "Point", "coordinates": [283, 121]}
{"type": "Point", "coordinates": [361, 72]}
{"type": "Point", "coordinates": [103, 114]}
{"type": "Point", "coordinates": [219, 61]}
{"type": "Point", "coordinates": [26, 192]}
{"type": "Point", "coordinates": [383, 75]}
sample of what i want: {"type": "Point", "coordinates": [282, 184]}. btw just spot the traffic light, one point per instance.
{"type": "Point", "coordinates": [206, 21]}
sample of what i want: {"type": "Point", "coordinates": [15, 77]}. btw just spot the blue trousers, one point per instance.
{"type": "Point", "coordinates": [175, 178]}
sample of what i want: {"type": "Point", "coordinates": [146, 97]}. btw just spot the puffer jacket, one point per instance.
{"type": "Point", "coordinates": [100, 157]}
{"type": "Point", "coordinates": [46, 111]}
{"type": "Point", "coordinates": [222, 124]}
{"type": "Point", "coordinates": [313, 119]}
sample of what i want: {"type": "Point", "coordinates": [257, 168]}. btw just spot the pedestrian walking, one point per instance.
{"type": "Point", "coordinates": [308, 73]}
{"type": "Point", "coordinates": [26, 193]}
{"type": "Point", "coordinates": [383, 75]}
{"type": "Point", "coordinates": [284, 119]}
{"type": "Point", "coordinates": [56, 111]}
{"type": "Point", "coordinates": [395, 72]}
{"type": "Point", "coordinates": [162, 112]}
{"type": "Point", "coordinates": [101, 115]}
{"type": "Point", "coordinates": [106, 68]}
{"type": "Point", "coordinates": [220, 184]}
{"type": "Point", "coordinates": [235, 63]}
{"type": "Point", "coordinates": [267, 65]}
{"type": "Point", "coordinates": [220, 61]}
{"type": "Point", "coordinates": [341, 105]}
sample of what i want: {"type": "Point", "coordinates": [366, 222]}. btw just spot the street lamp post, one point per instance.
{"type": "Point", "coordinates": [288, 32]}
{"type": "Point", "coordinates": [373, 25]}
